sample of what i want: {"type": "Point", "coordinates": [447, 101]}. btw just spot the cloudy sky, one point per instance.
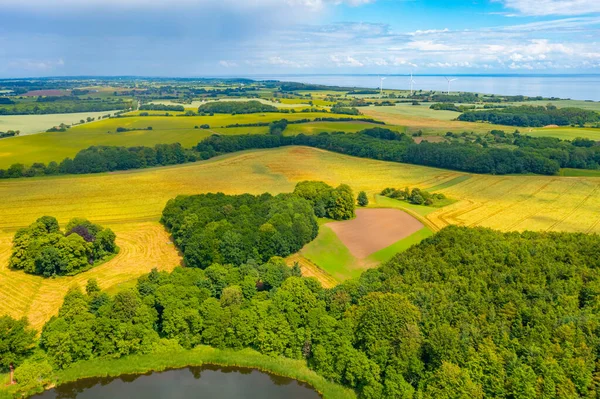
{"type": "Point", "coordinates": [246, 37]}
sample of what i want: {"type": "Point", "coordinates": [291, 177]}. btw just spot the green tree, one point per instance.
{"type": "Point", "coordinates": [16, 341]}
{"type": "Point", "coordinates": [362, 199]}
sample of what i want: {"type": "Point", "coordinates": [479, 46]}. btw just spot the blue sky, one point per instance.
{"type": "Point", "coordinates": [245, 37]}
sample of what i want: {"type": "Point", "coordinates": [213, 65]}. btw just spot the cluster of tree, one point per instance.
{"type": "Point", "coordinates": [468, 313]}
{"type": "Point", "coordinates": [121, 129]}
{"type": "Point", "coordinates": [62, 106]}
{"type": "Point", "coordinates": [535, 116]}
{"type": "Point", "coordinates": [10, 133]}
{"type": "Point", "coordinates": [219, 228]}
{"type": "Point", "coordinates": [451, 107]}
{"type": "Point", "coordinates": [328, 202]}
{"type": "Point", "coordinates": [277, 127]}
{"type": "Point", "coordinates": [162, 107]}
{"type": "Point", "coordinates": [6, 100]}
{"type": "Point", "coordinates": [341, 109]}
{"type": "Point", "coordinates": [44, 250]}
{"type": "Point", "coordinates": [415, 196]}
{"type": "Point", "coordinates": [236, 107]}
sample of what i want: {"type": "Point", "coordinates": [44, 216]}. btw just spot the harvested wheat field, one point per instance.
{"type": "Point", "coordinates": [374, 229]}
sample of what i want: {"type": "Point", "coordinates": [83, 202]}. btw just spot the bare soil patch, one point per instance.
{"type": "Point", "coordinates": [550, 126]}
{"type": "Point", "coordinates": [374, 229]}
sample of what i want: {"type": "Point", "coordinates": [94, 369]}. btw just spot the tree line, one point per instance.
{"type": "Point", "coordinates": [63, 106]}
{"type": "Point", "coordinates": [467, 313]}
{"type": "Point", "coordinates": [533, 116]}
{"type": "Point", "coordinates": [539, 155]}
{"type": "Point", "coordinates": [43, 249]}
{"type": "Point", "coordinates": [162, 107]}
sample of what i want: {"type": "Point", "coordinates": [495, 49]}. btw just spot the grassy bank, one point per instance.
{"type": "Point", "coordinates": [173, 359]}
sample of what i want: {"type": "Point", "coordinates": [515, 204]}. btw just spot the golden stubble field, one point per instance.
{"type": "Point", "coordinates": [131, 203]}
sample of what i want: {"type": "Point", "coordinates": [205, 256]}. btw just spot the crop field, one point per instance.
{"type": "Point", "coordinates": [165, 130]}
{"type": "Point", "coordinates": [131, 203]}
{"type": "Point", "coordinates": [30, 124]}
{"type": "Point", "coordinates": [428, 120]}
{"type": "Point", "coordinates": [563, 133]}
{"type": "Point", "coordinates": [348, 127]}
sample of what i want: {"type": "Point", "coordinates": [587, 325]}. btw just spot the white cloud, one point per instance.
{"type": "Point", "coordinates": [228, 64]}
{"type": "Point", "coordinates": [345, 60]}
{"type": "Point", "coordinates": [553, 7]}
{"type": "Point", "coordinates": [276, 60]}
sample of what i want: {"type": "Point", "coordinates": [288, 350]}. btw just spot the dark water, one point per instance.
{"type": "Point", "coordinates": [576, 87]}
{"type": "Point", "coordinates": [193, 382]}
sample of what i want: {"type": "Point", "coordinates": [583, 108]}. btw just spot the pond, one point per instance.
{"type": "Point", "coordinates": [193, 382]}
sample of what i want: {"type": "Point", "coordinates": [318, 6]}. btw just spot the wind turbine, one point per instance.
{"type": "Point", "coordinates": [381, 86]}
{"type": "Point", "coordinates": [449, 81]}
{"type": "Point", "coordinates": [411, 83]}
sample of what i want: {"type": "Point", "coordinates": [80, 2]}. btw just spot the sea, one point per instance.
{"type": "Point", "coordinates": [574, 87]}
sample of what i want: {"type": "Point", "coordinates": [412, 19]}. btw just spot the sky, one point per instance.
{"type": "Point", "coordinates": [260, 37]}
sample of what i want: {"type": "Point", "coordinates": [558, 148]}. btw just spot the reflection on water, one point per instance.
{"type": "Point", "coordinates": [192, 382]}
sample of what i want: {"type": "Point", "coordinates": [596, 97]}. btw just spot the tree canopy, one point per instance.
{"type": "Point", "coordinates": [43, 249]}
{"type": "Point", "coordinates": [231, 229]}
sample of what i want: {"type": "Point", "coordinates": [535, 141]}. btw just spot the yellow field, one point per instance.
{"type": "Point", "coordinates": [427, 120]}
{"type": "Point", "coordinates": [131, 203]}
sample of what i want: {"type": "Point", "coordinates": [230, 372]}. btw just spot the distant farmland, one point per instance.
{"type": "Point", "coordinates": [30, 124]}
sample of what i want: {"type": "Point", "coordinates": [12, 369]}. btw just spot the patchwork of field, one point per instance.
{"type": "Point", "coordinates": [30, 124]}
{"type": "Point", "coordinates": [131, 203]}
{"type": "Point", "coordinates": [283, 104]}
{"type": "Point", "coordinates": [429, 121]}
{"type": "Point", "coordinates": [165, 130]}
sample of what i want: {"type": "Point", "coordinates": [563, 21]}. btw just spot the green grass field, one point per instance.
{"type": "Point", "coordinates": [563, 133]}
{"type": "Point", "coordinates": [56, 146]}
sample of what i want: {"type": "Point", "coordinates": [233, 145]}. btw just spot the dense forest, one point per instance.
{"type": "Point", "coordinates": [236, 107]}
{"type": "Point", "coordinates": [230, 229]}
{"type": "Point", "coordinates": [533, 116]}
{"type": "Point", "coordinates": [44, 250]}
{"type": "Point", "coordinates": [540, 155]}
{"type": "Point", "coordinates": [467, 313]}
{"type": "Point", "coordinates": [62, 105]}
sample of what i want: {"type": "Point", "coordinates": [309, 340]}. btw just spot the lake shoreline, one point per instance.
{"type": "Point", "coordinates": [199, 356]}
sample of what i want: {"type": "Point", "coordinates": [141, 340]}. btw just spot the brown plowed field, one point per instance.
{"type": "Point", "coordinates": [374, 229]}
